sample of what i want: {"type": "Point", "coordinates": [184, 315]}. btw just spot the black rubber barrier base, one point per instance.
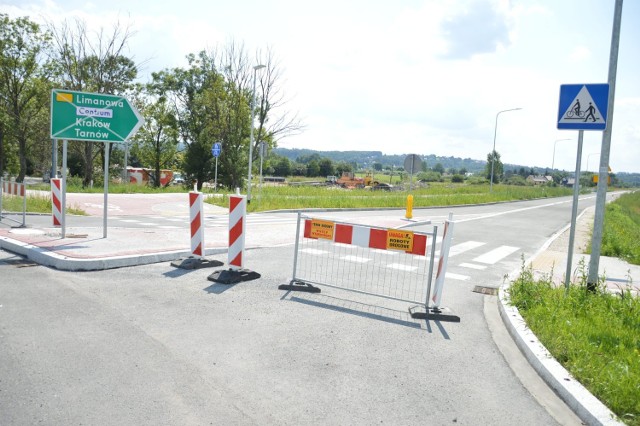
{"type": "Point", "coordinates": [195, 263]}
{"type": "Point", "coordinates": [299, 286]}
{"type": "Point", "coordinates": [230, 276]}
{"type": "Point", "coordinates": [436, 314]}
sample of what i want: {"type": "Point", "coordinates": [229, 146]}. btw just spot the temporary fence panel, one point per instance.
{"type": "Point", "coordinates": [393, 263]}
{"type": "Point", "coordinates": [17, 189]}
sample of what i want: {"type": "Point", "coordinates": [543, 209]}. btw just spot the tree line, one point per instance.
{"type": "Point", "coordinates": [209, 100]}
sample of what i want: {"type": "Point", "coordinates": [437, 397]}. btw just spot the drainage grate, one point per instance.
{"type": "Point", "coordinates": [491, 291]}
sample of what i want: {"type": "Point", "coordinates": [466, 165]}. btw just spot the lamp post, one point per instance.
{"type": "Point", "coordinates": [495, 132]}
{"type": "Point", "coordinates": [253, 108]}
{"type": "Point", "coordinates": [553, 160]}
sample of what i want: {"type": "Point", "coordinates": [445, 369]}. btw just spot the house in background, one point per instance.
{"type": "Point", "coordinates": [539, 180]}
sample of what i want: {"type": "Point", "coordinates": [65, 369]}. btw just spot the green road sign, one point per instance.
{"type": "Point", "coordinates": [92, 117]}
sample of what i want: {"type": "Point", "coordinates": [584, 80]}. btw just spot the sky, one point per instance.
{"type": "Point", "coordinates": [409, 76]}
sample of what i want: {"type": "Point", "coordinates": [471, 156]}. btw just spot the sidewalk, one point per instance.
{"type": "Point", "coordinates": [552, 260]}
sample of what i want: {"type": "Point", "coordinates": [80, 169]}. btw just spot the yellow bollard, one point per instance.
{"type": "Point", "coordinates": [409, 213]}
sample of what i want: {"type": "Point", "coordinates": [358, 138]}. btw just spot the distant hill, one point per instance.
{"type": "Point", "coordinates": [366, 159]}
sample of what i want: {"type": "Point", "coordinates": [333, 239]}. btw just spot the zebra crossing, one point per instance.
{"type": "Point", "coordinates": [480, 262]}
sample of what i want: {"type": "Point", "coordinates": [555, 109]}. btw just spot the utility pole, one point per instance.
{"type": "Point", "coordinates": [603, 174]}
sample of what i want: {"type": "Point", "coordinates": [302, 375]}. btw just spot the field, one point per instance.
{"type": "Point", "coordinates": [315, 197]}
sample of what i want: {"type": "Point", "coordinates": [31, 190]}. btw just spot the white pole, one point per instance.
{"type": "Point", "coordinates": [603, 172]}
{"type": "Point", "coordinates": [64, 187]}
{"type": "Point", "coordinates": [106, 189]}
{"type": "Point", "coordinates": [574, 212]}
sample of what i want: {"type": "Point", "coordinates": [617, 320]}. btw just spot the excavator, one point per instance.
{"type": "Point", "coordinates": [350, 181]}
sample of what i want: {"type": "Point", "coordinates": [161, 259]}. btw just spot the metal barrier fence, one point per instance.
{"type": "Point", "coordinates": [17, 189]}
{"type": "Point", "coordinates": [396, 264]}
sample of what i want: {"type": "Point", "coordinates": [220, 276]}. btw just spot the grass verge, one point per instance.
{"type": "Point", "coordinates": [594, 335]}
{"type": "Point", "coordinates": [35, 204]}
{"type": "Point", "coordinates": [621, 231]}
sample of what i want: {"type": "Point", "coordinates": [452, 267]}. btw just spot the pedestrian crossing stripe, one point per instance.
{"type": "Point", "coordinates": [583, 106]}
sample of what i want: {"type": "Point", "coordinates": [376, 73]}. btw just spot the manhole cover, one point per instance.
{"type": "Point", "coordinates": [491, 291]}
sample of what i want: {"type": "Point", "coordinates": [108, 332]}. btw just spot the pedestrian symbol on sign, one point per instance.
{"type": "Point", "coordinates": [573, 99]}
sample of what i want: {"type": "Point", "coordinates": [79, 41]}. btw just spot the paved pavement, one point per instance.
{"type": "Point", "coordinates": [84, 248]}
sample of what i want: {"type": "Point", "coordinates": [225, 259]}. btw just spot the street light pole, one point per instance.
{"type": "Point", "coordinates": [253, 108]}
{"type": "Point", "coordinates": [553, 160]}
{"type": "Point", "coordinates": [495, 132]}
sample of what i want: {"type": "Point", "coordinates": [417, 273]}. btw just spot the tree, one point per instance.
{"type": "Point", "coordinates": [342, 167]}
{"type": "Point", "coordinates": [23, 86]}
{"type": "Point", "coordinates": [155, 144]}
{"type": "Point", "coordinates": [438, 168]}
{"type": "Point", "coordinates": [92, 64]}
{"type": "Point", "coordinates": [213, 100]}
{"type": "Point", "coordinates": [313, 168]}
{"type": "Point", "coordinates": [282, 166]}
{"type": "Point", "coordinates": [377, 167]}
{"type": "Point", "coordinates": [498, 168]}
{"type": "Point", "coordinates": [326, 167]}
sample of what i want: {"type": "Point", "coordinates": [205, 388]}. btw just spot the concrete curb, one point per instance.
{"type": "Point", "coordinates": [51, 259]}
{"type": "Point", "coordinates": [582, 402]}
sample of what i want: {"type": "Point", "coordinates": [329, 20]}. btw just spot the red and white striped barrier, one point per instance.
{"type": "Point", "coordinates": [13, 188]}
{"type": "Point", "coordinates": [237, 219]}
{"type": "Point", "coordinates": [367, 237]}
{"type": "Point", "coordinates": [197, 228]}
{"type": "Point", "coordinates": [56, 201]}
{"type": "Point", "coordinates": [447, 236]}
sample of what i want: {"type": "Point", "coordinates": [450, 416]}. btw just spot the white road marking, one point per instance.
{"type": "Point", "coordinates": [462, 247]}
{"type": "Point", "coordinates": [314, 251]}
{"type": "Point", "coordinates": [401, 267]}
{"type": "Point", "coordinates": [457, 277]}
{"type": "Point", "coordinates": [357, 259]}
{"type": "Point", "coordinates": [473, 266]}
{"type": "Point", "coordinates": [496, 255]}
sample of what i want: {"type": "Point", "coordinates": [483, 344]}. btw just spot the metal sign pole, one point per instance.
{"type": "Point", "coordinates": [574, 212]}
{"type": "Point", "coordinates": [64, 187]}
{"type": "Point", "coordinates": [601, 195]}
{"type": "Point", "coordinates": [215, 181]}
{"type": "Point", "coordinates": [106, 189]}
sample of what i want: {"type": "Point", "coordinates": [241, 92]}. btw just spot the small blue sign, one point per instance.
{"type": "Point", "coordinates": [216, 149]}
{"type": "Point", "coordinates": [583, 106]}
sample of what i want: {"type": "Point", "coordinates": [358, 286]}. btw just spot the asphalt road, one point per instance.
{"type": "Point", "coordinates": [157, 345]}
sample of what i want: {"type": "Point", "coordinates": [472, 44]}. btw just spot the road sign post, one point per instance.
{"type": "Point", "coordinates": [581, 107]}
{"type": "Point", "coordinates": [90, 117]}
{"type": "Point", "coordinates": [412, 163]}
{"type": "Point", "coordinates": [216, 149]}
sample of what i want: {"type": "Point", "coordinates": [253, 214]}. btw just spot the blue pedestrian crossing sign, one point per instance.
{"type": "Point", "coordinates": [583, 106]}
{"type": "Point", "coordinates": [216, 149]}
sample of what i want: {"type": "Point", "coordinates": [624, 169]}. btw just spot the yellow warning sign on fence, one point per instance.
{"type": "Point", "coordinates": [322, 229]}
{"type": "Point", "coordinates": [399, 240]}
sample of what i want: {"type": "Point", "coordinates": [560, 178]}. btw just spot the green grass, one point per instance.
{"type": "Point", "coordinates": [595, 336]}
{"type": "Point", "coordinates": [35, 204]}
{"type": "Point", "coordinates": [621, 233]}
{"type": "Point", "coordinates": [309, 197]}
